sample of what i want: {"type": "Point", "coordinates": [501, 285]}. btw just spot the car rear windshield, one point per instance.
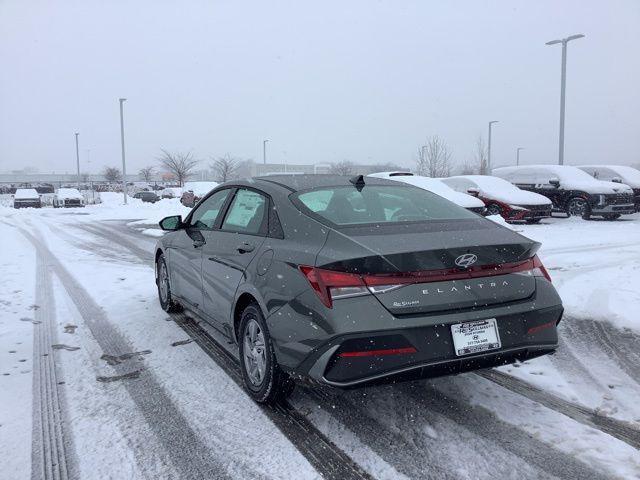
{"type": "Point", "coordinates": [376, 204]}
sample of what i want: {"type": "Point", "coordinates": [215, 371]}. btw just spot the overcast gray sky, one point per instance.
{"type": "Point", "coordinates": [324, 81]}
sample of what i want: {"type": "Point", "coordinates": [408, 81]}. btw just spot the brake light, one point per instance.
{"type": "Point", "coordinates": [538, 269]}
{"type": "Point", "coordinates": [379, 353]}
{"type": "Point", "coordinates": [330, 285]}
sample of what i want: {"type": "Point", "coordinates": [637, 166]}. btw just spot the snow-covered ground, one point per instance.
{"type": "Point", "coordinates": [91, 370]}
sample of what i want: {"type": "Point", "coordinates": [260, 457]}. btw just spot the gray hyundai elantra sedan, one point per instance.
{"type": "Point", "coordinates": [350, 281]}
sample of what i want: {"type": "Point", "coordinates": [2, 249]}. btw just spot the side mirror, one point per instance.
{"type": "Point", "coordinates": [172, 223]}
{"type": "Point", "coordinates": [616, 179]}
{"type": "Point", "coordinates": [473, 191]}
{"type": "Point", "coordinates": [555, 182]}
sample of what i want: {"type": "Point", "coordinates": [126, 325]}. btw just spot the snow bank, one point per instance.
{"type": "Point", "coordinates": [113, 208]}
{"type": "Point", "coordinates": [595, 265]}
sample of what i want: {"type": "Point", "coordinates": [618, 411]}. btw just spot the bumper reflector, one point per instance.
{"type": "Point", "coordinates": [378, 353]}
{"type": "Point", "coordinates": [536, 329]}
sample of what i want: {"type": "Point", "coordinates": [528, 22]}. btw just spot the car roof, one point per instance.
{"type": "Point", "coordinates": [295, 183]}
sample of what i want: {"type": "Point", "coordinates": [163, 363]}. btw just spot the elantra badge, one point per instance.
{"type": "Point", "coordinates": [466, 260]}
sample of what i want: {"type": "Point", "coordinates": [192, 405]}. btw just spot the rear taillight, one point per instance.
{"type": "Point", "coordinates": [331, 285]}
{"type": "Point", "coordinates": [538, 269]}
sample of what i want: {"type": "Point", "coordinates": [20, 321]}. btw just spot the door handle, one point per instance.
{"type": "Point", "coordinates": [198, 243]}
{"type": "Point", "coordinates": [245, 247]}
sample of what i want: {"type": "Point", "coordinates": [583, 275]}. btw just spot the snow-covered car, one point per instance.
{"type": "Point", "coordinates": [617, 174]}
{"type": "Point", "coordinates": [572, 191]}
{"type": "Point", "coordinates": [436, 186]}
{"type": "Point", "coordinates": [503, 198]}
{"type": "Point", "coordinates": [171, 192]}
{"type": "Point", "coordinates": [147, 197]}
{"type": "Point", "coordinates": [68, 197]}
{"type": "Point", "coordinates": [194, 191]}
{"type": "Point", "coordinates": [26, 197]}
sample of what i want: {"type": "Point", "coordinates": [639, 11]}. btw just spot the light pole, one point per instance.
{"type": "Point", "coordinates": [264, 151]}
{"type": "Point", "coordinates": [518, 155]}
{"type": "Point", "coordinates": [77, 159]}
{"type": "Point", "coordinates": [489, 148]}
{"type": "Point", "coordinates": [124, 165]}
{"type": "Point", "coordinates": [563, 81]}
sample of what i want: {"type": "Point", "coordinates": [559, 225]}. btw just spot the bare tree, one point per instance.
{"type": "Point", "coordinates": [112, 174]}
{"type": "Point", "coordinates": [480, 157]}
{"type": "Point", "coordinates": [344, 167]}
{"type": "Point", "coordinates": [147, 172]}
{"type": "Point", "coordinates": [180, 165]}
{"type": "Point", "coordinates": [225, 168]}
{"type": "Point", "coordinates": [434, 158]}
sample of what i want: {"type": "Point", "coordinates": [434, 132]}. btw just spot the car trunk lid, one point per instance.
{"type": "Point", "coordinates": [434, 266]}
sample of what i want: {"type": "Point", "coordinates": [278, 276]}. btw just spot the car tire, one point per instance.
{"type": "Point", "coordinates": [494, 209]}
{"type": "Point", "coordinates": [578, 207]}
{"type": "Point", "coordinates": [163, 282]}
{"type": "Point", "coordinates": [612, 216]}
{"type": "Point", "coordinates": [263, 378]}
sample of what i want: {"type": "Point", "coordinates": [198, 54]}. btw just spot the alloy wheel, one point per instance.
{"type": "Point", "coordinates": [254, 353]}
{"type": "Point", "coordinates": [163, 282]}
{"type": "Point", "coordinates": [494, 209]}
{"type": "Point", "coordinates": [577, 207]}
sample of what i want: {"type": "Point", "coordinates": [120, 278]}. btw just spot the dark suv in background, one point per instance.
{"type": "Point", "coordinates": [572, 191]}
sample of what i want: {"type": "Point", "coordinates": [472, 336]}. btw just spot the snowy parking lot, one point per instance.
{"type": "Point", "coordinates": [97, 381]}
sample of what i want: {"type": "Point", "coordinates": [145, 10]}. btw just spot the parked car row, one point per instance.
{"type": "Point", "coordinates": [572, 190]}
{"type": "Point", "coordinates": [532, 192]}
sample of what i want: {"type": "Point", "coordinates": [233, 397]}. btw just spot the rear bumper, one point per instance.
{"type": "Point", "coordinates": [529, 214]}
{"type": "Point", "coordinates": [623, 209]}
{"type": "Point", "coordinates": [523, 336]}
{"type": "Point", "coordinates": [27, 204]}
{"type": "Point", "coordinates": [439, 368]}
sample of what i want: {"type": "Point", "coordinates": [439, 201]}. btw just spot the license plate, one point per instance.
{"type": "Point", "coordinates": [474, 337]}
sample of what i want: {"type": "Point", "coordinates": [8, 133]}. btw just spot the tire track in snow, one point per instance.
{"type": "Point", "coordinates": [486, 424]}
{"type": "Point", "coordinates": [330, 461]}
{"type": "Point", "coordinates": [145, 256]}
{"type": "Point", "coordinates": [585, 415]}
{"type": "Point", "coordinates": [414, 461]}
{"type": "Point", "coordinates": [620, 346]}
{"type": "Point", "coordinates": [183, 448]}
{"type": "Point", "coordinates": [53, 453]}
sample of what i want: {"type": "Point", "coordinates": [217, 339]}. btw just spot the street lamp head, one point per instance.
{"type": "Point", "coordinates": [573, 37]}
{"type": "Point", "coordinates": [122, 100]}
{"type": "Point", "coordinates": [493, 121]}
{"type": "Point", "coordinates": [553, 42]}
